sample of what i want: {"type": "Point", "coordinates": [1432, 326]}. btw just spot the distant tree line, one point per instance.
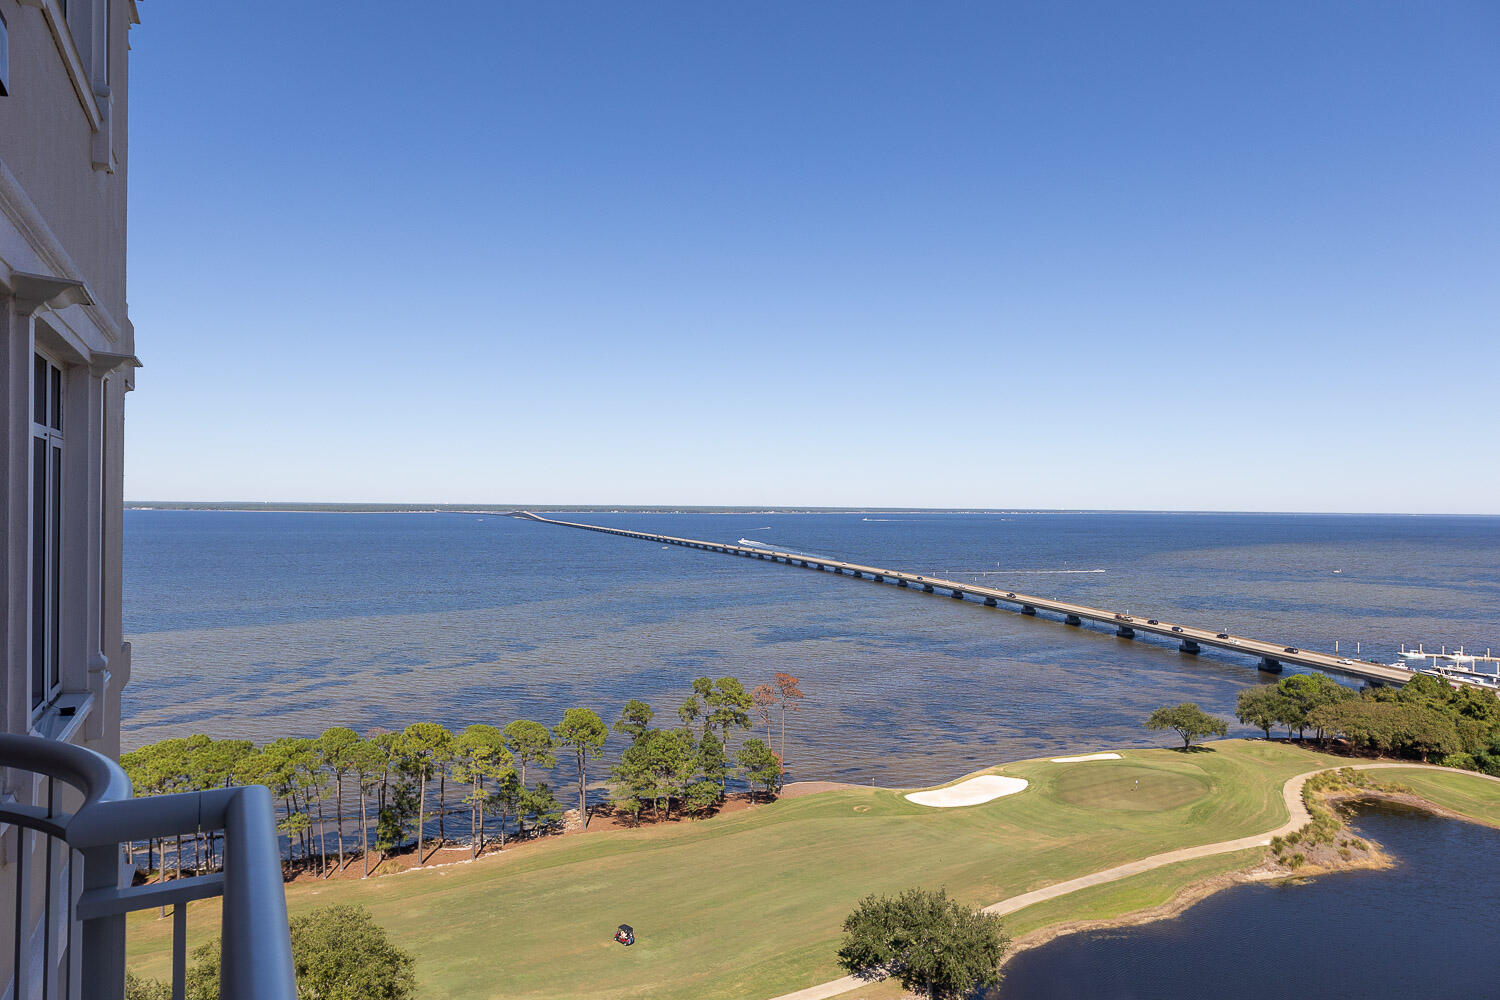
{"type": "Point", "coordinates": [1428, 718]}
{"type": "Point", "coordinates": [379, 788]}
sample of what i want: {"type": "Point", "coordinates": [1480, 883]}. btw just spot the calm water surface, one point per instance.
{"type": "Point", "coordinates": [1421, 930]}
{"type": "Point", "coordinates": [266, 624]}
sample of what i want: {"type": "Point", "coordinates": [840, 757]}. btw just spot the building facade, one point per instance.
{"type": "Point", "coordinates": [67, 358]}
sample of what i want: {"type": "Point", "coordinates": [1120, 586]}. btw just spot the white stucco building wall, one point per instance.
{"type": "Point", "coordinates": [66, 361]}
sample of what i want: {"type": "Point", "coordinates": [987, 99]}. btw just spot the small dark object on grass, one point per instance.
{"type": "Point", "coordinates": [625, 935]}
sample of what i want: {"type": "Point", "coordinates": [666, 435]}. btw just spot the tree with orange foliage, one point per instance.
{"type": "Point", "coordinates": [764, 697]}
{"type": "Point", "coordinates": [789, 694]}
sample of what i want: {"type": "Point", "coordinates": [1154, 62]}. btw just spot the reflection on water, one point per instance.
{"type": "Point", "coordinates": [260, 625]}
{"type": "Point", "coordinates": [1420, 930]}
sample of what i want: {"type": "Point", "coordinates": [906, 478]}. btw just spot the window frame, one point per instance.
{"type": "Point", "coordinates": [45, 531]}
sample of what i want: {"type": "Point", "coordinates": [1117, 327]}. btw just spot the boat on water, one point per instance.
{"type": "Point", "coordinates": [1460, 675]}
{"type": "Point", "coordinates": [1457, 667]}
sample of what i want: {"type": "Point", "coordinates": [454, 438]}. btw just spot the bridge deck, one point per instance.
{"type": "Point", "coordinates": [1269, 651]}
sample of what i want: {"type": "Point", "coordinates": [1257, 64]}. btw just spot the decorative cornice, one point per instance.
{"type": "Point", "coordinates": [32, 291]}
{"type": "Point", "coordinates": [17, 207]}
{"type": "Point", "coordinates": [101, 364]}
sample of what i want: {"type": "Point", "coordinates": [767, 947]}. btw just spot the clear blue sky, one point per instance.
{"type": "Point", "coordinates": [1108, 255]}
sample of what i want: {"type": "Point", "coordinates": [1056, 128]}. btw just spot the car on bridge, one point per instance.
{"type": "Point", "coordinates": [1124, 618]}
{"type": "Point", "coordinates": [1152, 621]}
{"type": "Point", "coordinates": [1010, 595]}
{"type": "Point", "coordinates": [1290, 649]}
{"type": "Point", "coordinates": [1176, 628]}
{"type": "Point", "coordinates": [1222, 635]}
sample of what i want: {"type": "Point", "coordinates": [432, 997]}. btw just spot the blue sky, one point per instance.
{"type": "Point", "coordinates": [1221, 256]}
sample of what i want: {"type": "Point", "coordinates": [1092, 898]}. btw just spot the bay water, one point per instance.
{"type": "Point", "coordinates": [264, 624]}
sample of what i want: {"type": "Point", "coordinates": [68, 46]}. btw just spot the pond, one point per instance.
{"type": "Point", "coordinates": [1422, 929]}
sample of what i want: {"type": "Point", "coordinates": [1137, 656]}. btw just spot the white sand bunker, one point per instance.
{"type": "Point", "coordinates": [969, 793]}
{"type": "Point", "coordinates": [1086, 756]}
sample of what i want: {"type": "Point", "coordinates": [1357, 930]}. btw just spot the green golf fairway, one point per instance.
{"type": "Point", "coordinates": [750, 904]}
{"type": "Point", "coordinates": [1121, 784]}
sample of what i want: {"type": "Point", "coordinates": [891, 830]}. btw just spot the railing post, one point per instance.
{"type": "Point", "coordinates": [103, 938]}
{"type": "Point", "coordinates": [257, 948]}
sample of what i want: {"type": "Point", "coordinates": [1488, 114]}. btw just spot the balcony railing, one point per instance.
{"type": "Point", "coordinates": [87, 890]}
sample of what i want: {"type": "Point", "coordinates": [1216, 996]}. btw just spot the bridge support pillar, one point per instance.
{"type": "Point", "coordinates": [989, 602]}
{"type": "Point", "coordinates": [902, 583]}
{"type": "Point", "coordinates": [927, 588]}
{"type": "Point", "coordinates": [878, 578]}
{"type": "Point", "coordinates": [1125, 632]}
{"type": "Point", "coordinates": [958, 594]}
{"type": "Point", "coordinates": [1027, 609]}
{"type": "Point", "coordinates": [1073, 620]}
{"type": "Point", "coordinates": [1189, 646]}
{"type": "Point", "coordinates": [1269, 665]}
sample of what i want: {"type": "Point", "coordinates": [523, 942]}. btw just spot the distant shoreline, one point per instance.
{"type": "Point", "coordinates": [485, 508]}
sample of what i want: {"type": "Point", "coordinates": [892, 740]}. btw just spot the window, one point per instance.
{"type": "Point", "coordinates": [46, 529]}
{"type": "Point", "coordinates": [4, 58]}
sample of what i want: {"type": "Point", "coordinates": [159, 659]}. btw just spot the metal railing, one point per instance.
{"type": "Point", "coordinates": [87, 890]}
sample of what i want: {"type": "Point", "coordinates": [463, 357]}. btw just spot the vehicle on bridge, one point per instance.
{"type": "Point", "coordinates": [1290, 649]}
{"type": "Point", "coordinates": [1152, 621]}
{"type": "Point", "coordinates": [1176, 628]}
{"type": "Point", "coordinates": [1222, 635]}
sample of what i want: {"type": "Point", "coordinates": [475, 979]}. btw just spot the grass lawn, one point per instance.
{"type": "Point", "coordinates": [750, 903]}
{"type": "Point", "coordinates": [1450, 789]}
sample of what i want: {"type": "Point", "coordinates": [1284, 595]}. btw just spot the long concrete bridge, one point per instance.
{"type": "Point", "coordinates": [1271, 656]}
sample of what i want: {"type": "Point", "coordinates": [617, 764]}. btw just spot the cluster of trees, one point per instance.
{"type": "Point", "coordinates": [1427, 718]}
{"type": "Point", "coordinates": [339, 953]}
{"type": "Point", "coordinates": [931, 945]}
{"type": "Point", "coordinates": [1290, 703]}
{"type": "Point", "coordinates": [690, 764]}
{"type": "Point", "coordinates": [380, 786]}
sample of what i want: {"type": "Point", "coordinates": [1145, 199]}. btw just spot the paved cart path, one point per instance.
{"type": "Point", "coordinates": [1296, 810]}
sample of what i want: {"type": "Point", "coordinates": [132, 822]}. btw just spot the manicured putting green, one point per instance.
{"type": "Point", "coordinates": [1112, 785]}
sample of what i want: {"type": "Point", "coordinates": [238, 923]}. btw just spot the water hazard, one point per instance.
{"type": "Point", "coordinates": [1419, 930]}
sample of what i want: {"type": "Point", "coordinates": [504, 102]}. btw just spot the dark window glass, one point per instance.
{"type": "Point", "coordinates": [39, 390]}
{"type": "Point", "coordinates": [103, 500]}
{"type": "Point", "coordinates": [56, 399]}
{"type": "Point", "coordinates": [4, 58]}
{"type": "Point", "coordinates": [38, 570]}
{"type": "Point", "coordinates": [54, 529]}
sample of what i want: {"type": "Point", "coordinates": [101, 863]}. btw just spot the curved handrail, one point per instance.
{"type": "Point", "coordinates": [95, 775]}
{"type": "Point", "coordinates": [257, 959]}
